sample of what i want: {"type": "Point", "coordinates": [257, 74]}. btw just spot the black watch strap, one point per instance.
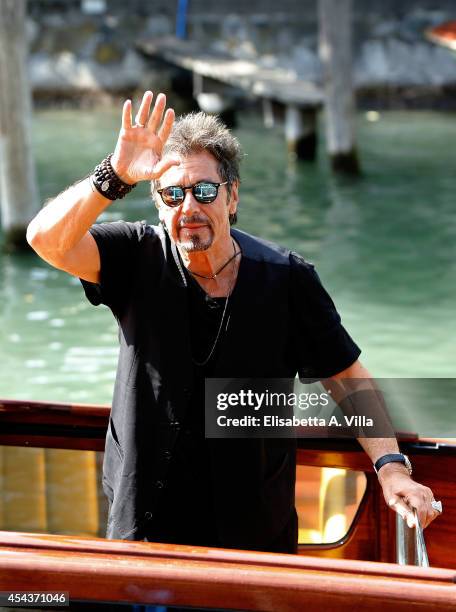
{"type": "Point", "coordinates": [393, 458]}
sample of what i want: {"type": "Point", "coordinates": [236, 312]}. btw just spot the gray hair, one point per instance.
{"type": "Point", "coordinates": [196, 132]}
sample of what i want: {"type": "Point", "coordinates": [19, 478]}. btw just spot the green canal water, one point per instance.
{"type": "Point", "coordinates": [384, 246]}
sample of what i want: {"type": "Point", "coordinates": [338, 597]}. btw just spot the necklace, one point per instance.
{"type": "Point", "coordinates": [205, 361]}
{"type": "Point", "coordinates": [220, 269]}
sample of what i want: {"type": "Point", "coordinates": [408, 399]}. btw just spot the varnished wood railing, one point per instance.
{"type": "Point", "coordinates": [53, 424]}
{"type": "Point", "coordinates": [95, 570]}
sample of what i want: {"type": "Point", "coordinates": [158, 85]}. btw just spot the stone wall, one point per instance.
{"type": "Point", "coordinates": [74, 52]}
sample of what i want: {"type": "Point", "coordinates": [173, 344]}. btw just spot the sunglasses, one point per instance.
{"type": "Point", "coordinates": [204, 192]}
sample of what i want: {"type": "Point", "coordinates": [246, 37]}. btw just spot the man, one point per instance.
{"type": "Point", "coordinates": [196, 299]}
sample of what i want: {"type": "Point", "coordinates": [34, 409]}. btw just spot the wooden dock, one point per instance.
{"type": "Point", "coordinates": [218, 76]}
{"type": "Point", "coordinates": [275, 83]}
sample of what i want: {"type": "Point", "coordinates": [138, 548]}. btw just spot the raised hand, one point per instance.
{"type": "Point", "coordinates": [137, 156]}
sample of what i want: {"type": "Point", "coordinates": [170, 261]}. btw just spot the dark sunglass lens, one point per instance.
{"type": "Point", "coordinates": [173, 195]}
{"type": "Point", "coordinates": [205, 192]}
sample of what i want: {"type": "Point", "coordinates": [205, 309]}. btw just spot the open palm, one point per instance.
{"type": "Point", "coordinates": [137, 156]}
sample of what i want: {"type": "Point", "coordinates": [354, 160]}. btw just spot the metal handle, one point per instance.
{"type": "Point", "coordinates": [410, 544]}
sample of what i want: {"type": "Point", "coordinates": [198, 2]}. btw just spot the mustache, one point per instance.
{"type": "Point", "coordinates": [194, 219]}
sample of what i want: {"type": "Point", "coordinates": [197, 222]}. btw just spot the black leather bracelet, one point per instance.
{"type": "Point", "coordinates": [106, 181]}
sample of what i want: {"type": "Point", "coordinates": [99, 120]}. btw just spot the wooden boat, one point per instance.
{"type": "Point", "coordinates": [443, 34]}
{"type": "Point", "coordinates": [357, 569]}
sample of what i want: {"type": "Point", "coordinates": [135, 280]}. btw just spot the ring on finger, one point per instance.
{"type": "Point", "coordinates": [138, 124]}
{"type": "Point", "coordinates": [437, 505]}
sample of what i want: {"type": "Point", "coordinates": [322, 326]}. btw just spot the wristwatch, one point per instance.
{"type": "Point", "coordinates": [396, 458]}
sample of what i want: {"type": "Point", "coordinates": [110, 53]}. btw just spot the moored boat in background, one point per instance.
{"type": "Point", "coordinates": [443, 34]}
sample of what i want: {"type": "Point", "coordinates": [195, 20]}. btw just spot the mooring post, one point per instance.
{"type": "Point", "coordinates": [268, 113]}
{"type": "Point", "coordinates": [301, 132]}
{"type": "Point", "coordinates": [18, 190]}
{"type": "Point", "coordinates": [335, 46]}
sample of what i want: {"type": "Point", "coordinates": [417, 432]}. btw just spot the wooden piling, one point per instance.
{"type": "Point", "coordinates": [301, 132]}
{"type": "Point", "coordinates": [335, 46]}
{"type": "Point", "coordinates": [268, 113]}
{"type": "Point", "coordinates": [18, 190]}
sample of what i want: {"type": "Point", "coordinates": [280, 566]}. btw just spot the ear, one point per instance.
{"type": "Point", "coordinates": [234, 198]}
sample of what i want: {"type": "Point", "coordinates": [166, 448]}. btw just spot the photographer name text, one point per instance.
{"type": "Point", "coordinates": [269, 420]}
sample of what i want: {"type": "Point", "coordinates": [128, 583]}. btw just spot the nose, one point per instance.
{"type": "Point", "coordinates": [189, 205]}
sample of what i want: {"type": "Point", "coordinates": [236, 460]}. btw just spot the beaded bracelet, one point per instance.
{"type": "Point", "coordinates": [106, 181]}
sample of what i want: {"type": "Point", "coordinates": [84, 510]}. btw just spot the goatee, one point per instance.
{"type": "Point", "coordinates": [195, 243]}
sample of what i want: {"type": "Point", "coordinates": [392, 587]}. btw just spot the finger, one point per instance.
{"type": "Point", "coordinates": [126, 115]}
{"type": "Point", "coordinates": [163, 165]}
{"type": "Point", "coordinates": [431, 514]}
{"type": "Point", "coordinates": [403, 510]}
{"type": "Point", "coordinates": [421, 501]}
{"type": "Point", "coordinates": [425, 512]}
{"type": "Point", "coordinates": [422, 515]}
{"type": "Point", "coordinates": [428, 520]}
{"type": "Point", "coordinates": [167, 125]}
{"type": "Point", "coordinates": [157, 113]}
{"type": "Point", "coordinates": [144, 109]}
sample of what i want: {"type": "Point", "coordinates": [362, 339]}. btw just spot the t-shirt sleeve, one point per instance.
{"type": "Point", "coordinates": [117, 244]}
{"type": "Point", "coordinates": [323, 347]}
